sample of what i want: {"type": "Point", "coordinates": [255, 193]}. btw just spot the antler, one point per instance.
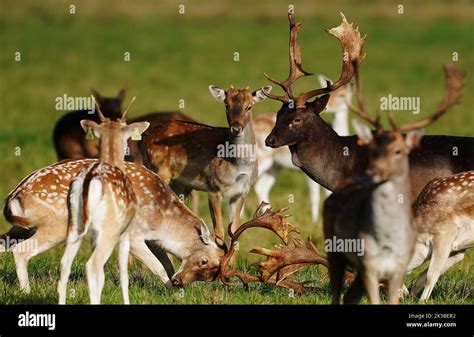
{"type": "Point", "coordinates": [352, 44]}
{"type": "Point", "coordinates": [124, 115]}
{"type": "Point", "coordinates": [286, 260]}
{"type": "Point", "coordinates": [454, 78]}
{"type": "Point", "coordinates": [361, 110]}
{"type": "Point", "coordinates": [102, 118]}
{"type": "Point", "coordinates": [296, 71]}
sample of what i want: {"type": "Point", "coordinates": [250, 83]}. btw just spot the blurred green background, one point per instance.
{"type": "Point", "coordinates": [176, 56]}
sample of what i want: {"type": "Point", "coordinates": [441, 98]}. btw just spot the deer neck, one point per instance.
{"type": "Point", "coordinates": [245, 146]}
{"type": "Point", "coordinates": [112, 153]}
{"type": "Point", "coordinates": [328, 158]}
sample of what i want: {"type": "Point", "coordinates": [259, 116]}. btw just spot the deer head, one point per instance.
{"type": "Point", "coordinates": [203, 263]}
{"type": "Point", "coordinates": [112, 106]}
{"type": "Point", "coordinates": [113, 134]}
{"type": "Point", "coordinates": [296, 112]}
{"type": "Point", "coordinates": [238, 104]}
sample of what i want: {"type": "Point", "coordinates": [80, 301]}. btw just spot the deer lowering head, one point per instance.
{"type": "Point", "coordinates": [238, 104]}
{"type": "Point", "coordinates": [296, 111]}
{"type": "Point", "coordinates": [113, 135]}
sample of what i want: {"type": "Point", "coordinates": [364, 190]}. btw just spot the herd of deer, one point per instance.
{"type": "Point", "coordinates": [409, 199]}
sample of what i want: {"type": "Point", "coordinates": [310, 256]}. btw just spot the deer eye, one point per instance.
{"type": "Point", "coordinates": [297, 120]}
{"type": "Point", "coordinates": [204, 262]}
{"type": "Point", "coordinates": [398, 151]}
{"type": "Point", "coordinates": [249, 108]}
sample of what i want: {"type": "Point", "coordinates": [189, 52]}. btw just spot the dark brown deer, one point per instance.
{"type": "Point", "coordinates": [221, 161]}
{"type": "Point", "coordinates": [328, 158]}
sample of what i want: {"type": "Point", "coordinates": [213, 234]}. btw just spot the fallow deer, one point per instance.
{"type": "Point", "coordinates": [272, 161]}
{"type": "Point", "coordinates": [221, 161]}
{"type": "Point", "coordinates": [444, 220]}
{"type": "Point", "coordinates": [69, 139]}
{"type": "Point", "coordinates": [101, 202]}
{"type": "Point", "coordinates": [374, 209]}
{"type": "Point", "coordinates": [328, 158]}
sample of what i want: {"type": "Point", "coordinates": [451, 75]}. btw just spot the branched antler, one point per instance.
{"type": "Point", "coordinates": [297, 255]}
{"type": "Point", "coordinates": [454, 79]}
{"type": "Point", "coordinates": [352, 44]}
{"type": "Point", "coordinates": [281, 263]}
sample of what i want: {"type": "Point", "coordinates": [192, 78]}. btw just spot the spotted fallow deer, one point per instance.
{"type": "Point", "coordinates": [221, 161]}
{"type": "Point", "coordinates": [37, 209]}
{"type": "Point", "coordinates": [271, 161]}
{"type": "Point", "coordinates": [328, 158]}
{"type": "Point", "coordinates": [444, 220]}
{"type": "Point", "coordinates": [101, 202]}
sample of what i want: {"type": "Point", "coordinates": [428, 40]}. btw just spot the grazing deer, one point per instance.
{"type": "Point", "coordinates": [37, 209]}
{"type": "Point", "coordinates": [444, 220]}
{"type": "Point", "coordinates": [221, 161]}
{"type": "Point", "coordinates": [69, 139]}
{"type": "Point", "coordinates": [102, 202]}
{"type": "Point", "coordinates": [271, 161]}
{"type": "Point", "coordinates": [328, 158]}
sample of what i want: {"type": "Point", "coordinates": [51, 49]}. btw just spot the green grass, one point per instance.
{"type": "Point", "coordinates": [176, 57]}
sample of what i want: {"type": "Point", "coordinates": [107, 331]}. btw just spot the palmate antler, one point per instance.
{"type": "Point", "coordinates": [281, 263]}
{"type": "Point", "coordinates": [352, 44]}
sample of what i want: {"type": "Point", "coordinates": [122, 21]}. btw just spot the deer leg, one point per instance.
{"type": "Point", "coordinates": [124, 249]}
{"type": "Point", "coordinates": [215, 202]}
{"type": "Point", "coordinates": [451, 261]}
{"type": "Point", "coordinates": [395, 284]}
{"type": "Point", "coordinates": [337, 267]}
{"type": "Point", "coordinates": [314, 197]}
{"type": "Point", "coordinates": [25, 250]}
{"type": "Point", "coordinates": [356, 291]}
{"type": "Point", "coordinates": [441, 250]}
{"type": "Point", "coordinates": [162, 256]}
{"type": "Point", "coordinates": [371, 284]}
{"type": "Point", "coordinates": [264, 185]}
{"type": "Point", "coordinates": [103, 247]}
{"type": "Point", "coordinates": [141, 251]}
{"type": "Point", "coordinates": [235, 208]}
{"type": "Point", "coordinates": [73, 244]}
{"type": "Point", "coordinates": [195, 201]}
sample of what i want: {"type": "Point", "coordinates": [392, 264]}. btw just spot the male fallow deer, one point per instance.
{"type": "Point", "coordinates": [221, 161]}
{"type": "Point", "coordinates": [271, 161]}
{"type": "Point", "coordinates": [444, 220]}
{"type": "Point", "coordinates": [329, 158]}
{"type": "Point", "coordinates": [101, 202]}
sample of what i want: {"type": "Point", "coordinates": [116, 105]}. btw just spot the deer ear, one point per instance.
{"type": "Point", "coordinates": [363, 132]}
{"type": "Point", "coordinates": [87, 124]}
{"type": "Point", "coordinates": [206, 236]}
{"type": "Point", "coordinates": [134, 130]}
{"type": "Point", "coordinates": [96, 94]}
{"type": "Point", "coordinates": [217, 93]}
{"type": "Point", "coordinates": [258, 95]}
{"type": "Point", "coordinates": [121, 95]}
{"type": "Point", "coordinates": [413, 138]}
{"type": "Point", "coordinates": [323, 80]}
{"type": "Point", "coordinates": [319, 103]}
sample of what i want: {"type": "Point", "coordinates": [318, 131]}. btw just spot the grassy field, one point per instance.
{"type": "Point", "coordinates": [176, 57]}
